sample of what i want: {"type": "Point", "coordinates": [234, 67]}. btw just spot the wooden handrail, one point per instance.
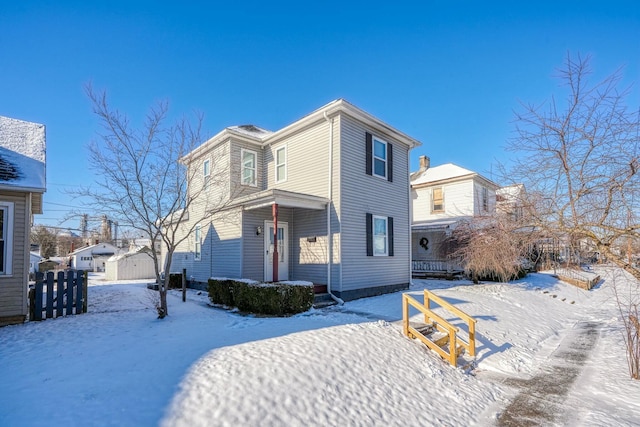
{"type": "Point", "coordinates": [440, 323]}
{"type": "Point", "coordinates": [471, 322]}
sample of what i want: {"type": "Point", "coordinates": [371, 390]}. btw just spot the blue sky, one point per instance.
{"type": "Point", "coordinates": [448, 73]}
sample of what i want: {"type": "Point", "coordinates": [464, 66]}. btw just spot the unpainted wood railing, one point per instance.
{"type": "Point", "coordinates": [455, 343]}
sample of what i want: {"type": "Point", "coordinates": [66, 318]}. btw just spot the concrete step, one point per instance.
{"type": "Point", "coordinates": [323, 300]}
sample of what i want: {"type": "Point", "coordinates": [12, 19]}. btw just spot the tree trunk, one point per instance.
{"type": "Point", "coordinates": [620, 262]}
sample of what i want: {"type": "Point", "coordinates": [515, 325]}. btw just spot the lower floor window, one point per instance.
{"type": "Point", "coordinates": [379, 235]}
{"type": "Point", "coordinates": [6, 233]}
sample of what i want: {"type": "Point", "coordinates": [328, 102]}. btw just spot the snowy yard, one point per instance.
{"type": "Point", "coordinates": [342, 365]}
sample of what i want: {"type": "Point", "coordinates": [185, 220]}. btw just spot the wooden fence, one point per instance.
{"type": "Point", "coordinates": [61, 294]}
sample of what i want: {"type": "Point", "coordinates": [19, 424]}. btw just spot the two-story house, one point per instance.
{"type": "Point", "coordinates": [441, 196]}
{"type": "Point", "coordinates": [324, 199]}
{"type": "Point", "coordinates": [22, 183]}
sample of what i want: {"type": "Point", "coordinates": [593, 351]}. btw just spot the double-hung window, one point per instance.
{"type": "Point", "coordinates": [6, 233]}
{"type": "Point", "coordinates": [379, 158]}
{"type": "Point", "coordinates": [197, 250]}
{"type": "Point", "coordinates": [281, 164]}
{"type": "Point", "coordinates": [379, 235]}
{"type": "Point", "coordinates": [206, 173]}
{"type": "Point", "coordinates": [485, 199]}
{"type": "Point", "coordinates": [437, 200]}
{"type": "Point", "coordinates": [248, 167]}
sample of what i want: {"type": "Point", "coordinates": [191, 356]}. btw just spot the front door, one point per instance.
{"type": "Point", "coordinates": [283, 251]}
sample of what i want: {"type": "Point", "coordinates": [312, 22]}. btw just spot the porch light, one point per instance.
{"type": "Point", "coordinates": [258, 230]}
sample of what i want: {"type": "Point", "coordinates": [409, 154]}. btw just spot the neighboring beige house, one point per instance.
{"type": "Point", "coordinates": [335, 182]}
{"type": "Point", "coordinates": [22, 183]}
{"type": "Point", "coordinates": [441, 196]}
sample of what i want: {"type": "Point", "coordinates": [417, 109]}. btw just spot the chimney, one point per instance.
{"type": "Point", "coordinates": [425, 162]}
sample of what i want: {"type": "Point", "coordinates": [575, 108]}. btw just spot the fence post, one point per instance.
{"type": "Point", "coordinates": [61, 293]}
{"type": "Point", "coordinates": [184, 284]}
{"type": "Point", "coordinates": [32, 303]}
{"type": "Point", "coordinates": [37, 312]}
{"type": "Point", "coordinates": [69, 292]}
{"type": "Point", "coordinates": [50, 282]}
{"type": "Point", "coordinates": [85, 286]}
{"type": "Point", "coordinates": [79, 294]}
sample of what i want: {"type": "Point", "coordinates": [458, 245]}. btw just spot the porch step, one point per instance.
{"type": "Point", "coordinates": [323, 300]}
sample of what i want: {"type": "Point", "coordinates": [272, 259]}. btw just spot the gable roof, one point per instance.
{"type": "Point", "coordinates": [446, 172]}
{"type": "Point", "coordinates": [22, 155]}
{"type": "Point", "coordinates": [262, 137]}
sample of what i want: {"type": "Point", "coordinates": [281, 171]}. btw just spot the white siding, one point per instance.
{"type": "Point", "coordinates": [458, 201]}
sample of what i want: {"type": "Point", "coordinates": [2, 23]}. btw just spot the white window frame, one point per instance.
{"type": "Point", "coordinates": [197, 247]}
{"type": "Point", "coordinates": [385, 236]}
{"type": "Point", "coordinates": [7, 208]}
{"type": "Point", "coordinates": [374, 157]}
{"type": "Point", "coordinates": [206, 172]}
{"type": "Point", "coordinates": [433, 200]}
{"type": "Point", "coordinates": [282, 165]}
{"type": "Point", "coordinates": [254, 169]}
{"type": "Point", "coordinates": [485, 199]}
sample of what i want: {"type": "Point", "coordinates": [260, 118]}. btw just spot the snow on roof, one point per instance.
{"type": "Point", "coordinates": [514, 190]}
{"type": "Point", "coordinates": [442, 172]}
{"type": "Point", "coordinates": [251, 130]}
{"type": "Point", "coordinates": [22, 154]}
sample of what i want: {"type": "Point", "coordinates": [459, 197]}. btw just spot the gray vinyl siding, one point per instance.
{"type": "Point", "coordinates": [309, 256]}
{"type": "Point", "coordinates": [238, 189]}
{"type": "Point", "coordinates": [13, 288]}
{"type": "Point", "coordinates": [362, 194]}
{"type": "Point", "coordinates": [253, 245]}
{"type": "Point", "coordinates": [224, 240]}
{"type": "Point", "coordinates": [308, 173]}
{"type": "Point", "coordinates": [307, 161]}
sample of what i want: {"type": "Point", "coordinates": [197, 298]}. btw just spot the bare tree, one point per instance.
{"type": "Point", "coordinates": [143, 180]}
{"type": "Point", "coordinates": [494, 247]}
{"type": "Point", "coordinates": [46, 239]}
{"type": "Point", "coordinates": [579, 159]}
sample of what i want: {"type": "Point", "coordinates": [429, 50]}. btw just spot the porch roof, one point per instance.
{"type": "Point", "coordinates": [288, 199]}
{"type": "Point", "coordinates": [436, 224]}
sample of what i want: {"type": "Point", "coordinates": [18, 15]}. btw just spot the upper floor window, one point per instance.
{"type": "Point", "coordinates": [248, 167]}
{"type": "Point", "coordinates": [6, 231]}
{"type": "Point", "coordinates": [281, 164]}
{"type": "Point", "coordinates": [379, 157]}
{"type": "Point", "coordinates": [197, 250]}
{"type": "Point", "coordinates": [437, 200]}
{"type": "Point", "coordinates": [206, 172]}
{"type": "Point", "coordinates": [485, 199]}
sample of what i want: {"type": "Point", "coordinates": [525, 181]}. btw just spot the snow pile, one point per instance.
{"type": "Point", "coordinates": [341, 365]}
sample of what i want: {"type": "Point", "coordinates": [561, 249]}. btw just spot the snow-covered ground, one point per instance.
{"type": "Point", "coordinates": [343, 365]}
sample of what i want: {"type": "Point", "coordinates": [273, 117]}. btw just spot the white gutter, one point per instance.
{"type": "Point", "coordinates": [329, 203]}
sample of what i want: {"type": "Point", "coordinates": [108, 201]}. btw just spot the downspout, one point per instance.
{"type": "Point", "coordinates": [410, 218]}
{"type": "Point", "coordinates": [329, 203]}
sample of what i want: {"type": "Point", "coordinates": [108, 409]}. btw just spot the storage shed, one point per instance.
{"type": "Point", "coordinates": [131, 265]}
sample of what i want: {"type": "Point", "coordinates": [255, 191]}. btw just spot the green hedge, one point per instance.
{"type": "Point", "coordinates": [273, 299]}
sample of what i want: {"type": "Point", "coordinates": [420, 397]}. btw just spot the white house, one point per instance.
{"type": "Point", "coordinates": [130, 265]}
{"type": "Point", "coordinates": [441, 196]}
{"type": "Point", "coordinates": [92, 258]}
{"type": "Point", "coordinates": [34, 260]}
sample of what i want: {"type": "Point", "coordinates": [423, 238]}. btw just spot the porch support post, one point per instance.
{"type": "Point", "coordinates": [274, 209]}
